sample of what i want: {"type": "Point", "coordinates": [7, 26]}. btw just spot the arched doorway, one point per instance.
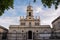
{"type": "Point", "coordinates": [29, 34]}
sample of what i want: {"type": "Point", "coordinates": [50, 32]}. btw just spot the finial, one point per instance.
{"type": "Point", "coordinates": [39, 17]}
{"type": "Point", "coordinates": [29, 3]}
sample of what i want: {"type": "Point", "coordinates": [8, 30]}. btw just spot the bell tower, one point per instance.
{"type": "Point", "coordinates": [29, 12]}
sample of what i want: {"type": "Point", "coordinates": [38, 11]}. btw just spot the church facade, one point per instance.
{"type": "Point", "coordinates": [29, 28]}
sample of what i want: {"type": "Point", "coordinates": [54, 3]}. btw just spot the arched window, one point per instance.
{"type": "Point", "coordinates": [22, 23]}
{"type": "Point", "coordinates": [13, 34]}
{"type": "Point", "coordinates": [36, 24]}
{"type": "Point", "coordinates": [30, 24]}
{"type": "Point", "coordinates": [14, 31]}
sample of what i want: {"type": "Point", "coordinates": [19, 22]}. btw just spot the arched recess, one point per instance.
{"type": "Point", "coordinates": [29, 34]}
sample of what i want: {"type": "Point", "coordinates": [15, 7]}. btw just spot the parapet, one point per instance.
{"type": "Point", "coordinates": [13, 26]}
{"type": "Point", "coordinates": [37, 17]}
{"type": "Point", "coordinates": [22, 17]}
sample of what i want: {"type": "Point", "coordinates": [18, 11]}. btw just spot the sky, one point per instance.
{"type": "Point", "coordinates": [12, 16]}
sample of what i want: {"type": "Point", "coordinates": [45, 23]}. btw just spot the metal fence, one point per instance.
{"type": "Point", "coordinates": [23, 36]}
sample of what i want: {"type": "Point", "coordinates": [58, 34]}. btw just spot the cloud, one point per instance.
{"type": "Point", "coordinates": [38, 9]}
{"type": "Point", "coordinates": [12, 16]}
{"type": "Point", "coordinates": [10, 12]}
{"type": "Point", "coordinates": [17, 10]}
{"type": "Point", "coordinates": [47, 15]}
{"type": "Point", "coordinates": [20, 8]}
{"type": "Point", "coordinates": [6, 21]}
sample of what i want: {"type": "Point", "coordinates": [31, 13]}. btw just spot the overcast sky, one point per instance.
{"type": "Point", "coordinates": [12, 16]}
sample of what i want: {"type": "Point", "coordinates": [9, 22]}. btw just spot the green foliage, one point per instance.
{"type": "Point", "coordinates": [5, 4]}
{"type": "Point", "coordinates": [34, 0]}
{"type": "Point", "coordinates": [49, 3]}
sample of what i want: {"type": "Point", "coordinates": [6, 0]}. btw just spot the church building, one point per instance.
{"type": "Point", "coordinates": [29, 28]}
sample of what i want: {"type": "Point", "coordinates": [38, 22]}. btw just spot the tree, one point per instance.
{"type": "Point", "coordinates": [49, 3]}
{"type": "Point", "coordinates": [5, 4]}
